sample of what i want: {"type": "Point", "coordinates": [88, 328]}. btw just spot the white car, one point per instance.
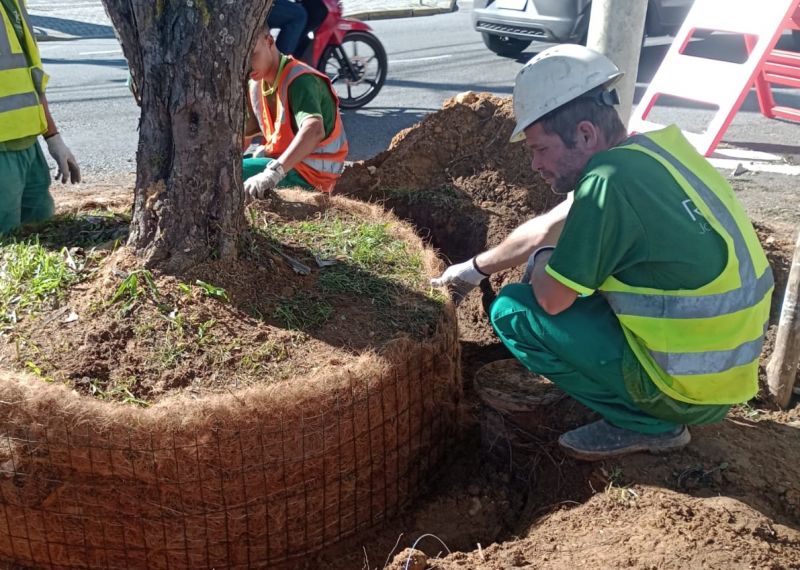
{"type": "Point", "coordinates": [509, 26]}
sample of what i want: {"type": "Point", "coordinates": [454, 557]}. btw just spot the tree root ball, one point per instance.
{"type": "Point", "coordinates": [252, 477]}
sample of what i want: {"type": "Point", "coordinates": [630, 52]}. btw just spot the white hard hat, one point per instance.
{"type": "Point", "coordinates": [555, 77]}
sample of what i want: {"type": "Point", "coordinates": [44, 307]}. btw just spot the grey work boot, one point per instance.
{"type": "Point", "coordinates": [600, 440]}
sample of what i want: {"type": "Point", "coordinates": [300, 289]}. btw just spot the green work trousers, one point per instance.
{"type": "Point", "coordinates": [584, 351]}
{"type": "Point", "coordinates": [253, 166]}
{"type": "Point", "coordinates": [24, 188]}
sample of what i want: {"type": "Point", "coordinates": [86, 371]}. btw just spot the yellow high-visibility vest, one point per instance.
{"type": "Point", "coordinates": [700, 346]}
{"type": "Point", "coordinates": [21, 83]}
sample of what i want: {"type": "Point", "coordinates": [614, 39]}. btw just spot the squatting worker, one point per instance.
{"type": "Point", "coordinates": [24, 115]}
{"type": "Point", "coordinates": [297, 111]}
{"type": "Point", "coordinates": [649, 292]}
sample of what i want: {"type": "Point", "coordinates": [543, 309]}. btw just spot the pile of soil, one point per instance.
{"type": "Point", "coordinates": [456, 177]}
{"type": "Point", "coordinates": [221, 325]}
{"type": "Point", "coordinates": [729, 500]}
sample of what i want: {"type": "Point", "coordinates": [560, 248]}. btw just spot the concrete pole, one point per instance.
{"type": "Point", "coordinates": [615, 30]}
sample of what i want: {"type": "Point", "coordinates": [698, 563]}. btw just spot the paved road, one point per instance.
{"type": "Point", "coordinates": [430, 59]}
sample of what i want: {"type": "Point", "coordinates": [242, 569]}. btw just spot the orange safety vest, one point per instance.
{"type": "Point", "coordinates": [324, 165]}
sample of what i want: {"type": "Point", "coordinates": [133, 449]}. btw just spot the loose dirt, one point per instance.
{"type": "Point", "coordinates": [729, 500]}
{"type": "Point", "coordinates": [463, 185]}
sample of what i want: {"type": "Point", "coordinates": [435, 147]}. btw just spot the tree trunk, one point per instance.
{"type": "Point", "coordinates": [189, 61]}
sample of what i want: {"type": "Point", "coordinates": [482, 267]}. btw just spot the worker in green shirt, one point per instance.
{"type": "Point", "coordinates": [647, 293]}
{"type": "Point", "coordinates": [24, 115]}
{"type": "Point", "coordinates": [295, 108]}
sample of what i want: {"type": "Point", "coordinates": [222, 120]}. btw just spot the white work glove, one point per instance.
{"type": "Point", "coordinates": [67, 165]}
{"type": "Point", "coordinates": [262, 183]}
{"type": "Point", "coordinates": [461, 278]}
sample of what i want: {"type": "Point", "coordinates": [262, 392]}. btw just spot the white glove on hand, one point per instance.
{"type": "Point", "coordinates": [259, 185]}
{"type": "Point", "coordinates": [462, 278]}
{"type": "Point", "coordinates": [64, 159]}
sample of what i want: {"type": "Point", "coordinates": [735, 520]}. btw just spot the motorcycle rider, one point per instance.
{"type": "Point", "coordinates": [296, 109]}
{"type": "Point", "coordinates": [291, 18]}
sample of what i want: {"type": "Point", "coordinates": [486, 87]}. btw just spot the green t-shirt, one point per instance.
{"type": "Point", "coordinates": [309, 96]}
{"type": "Point", "coordinates": [632, 220]}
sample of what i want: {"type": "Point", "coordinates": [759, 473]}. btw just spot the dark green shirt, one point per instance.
{"type": "Point", "coordinates": [309, 96]}
{"type": "Point", "coordinates": [632, 220]}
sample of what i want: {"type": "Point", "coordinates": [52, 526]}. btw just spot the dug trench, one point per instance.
{"type": "Point", "coordinates": [731, 499]}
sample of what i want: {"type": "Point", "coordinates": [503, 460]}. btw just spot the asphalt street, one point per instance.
{"type": "Point", "coordinates": [430, 59]}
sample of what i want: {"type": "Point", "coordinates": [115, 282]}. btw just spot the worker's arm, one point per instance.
{"type": "Point", "coordinates": [308, 137]}
{"type": "Point", "coordinates": [527, 238]}
{"type": "Point", "coordinates": [515, 250]}
{"type": "Point", "coordinates": [51, 124]}
{"type": "Point", "coordinates": [67, 165]}
{"type": "Point", "coordinates": [552, 296]}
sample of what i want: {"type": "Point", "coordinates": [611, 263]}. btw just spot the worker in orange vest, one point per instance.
{"type": "Point", "coordinates": [297, 111]}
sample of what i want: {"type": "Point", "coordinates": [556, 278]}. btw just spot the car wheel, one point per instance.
{"type": "Point", "coordinates": [503, 45]}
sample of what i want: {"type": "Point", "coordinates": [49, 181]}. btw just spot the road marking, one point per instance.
{"type": "Point", "coordinates": [754, 166]}
{"type": "Point", "coordinates": [416, 59]}
{"type": "Point", "coordinates": [105, 52]}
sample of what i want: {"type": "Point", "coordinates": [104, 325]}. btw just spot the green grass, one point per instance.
{"type": "Point", "coordinates": [32, 277]}
{"type": "Point", "coordinates": [364, 252]}
{"type": "Point", "coordinates": [136, 286]}
{"type": "Point", "coordinates": [78, 230]}
{"type": "Point", "coordinates": [369, 262]}
{"type": "Point", "coordinates": [303, 312]}
{"type": "Point", "coordinates": [39, 262]}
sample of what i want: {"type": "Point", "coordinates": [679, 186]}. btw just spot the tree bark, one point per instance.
{"type": "Point", "coordinates": [189, 60]}
{"type": "Point", "coordinates": [782, 365]}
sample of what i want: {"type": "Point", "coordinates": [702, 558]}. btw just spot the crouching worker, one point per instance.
{"type": "Point", "coordinates": [296, 110]}
{"type": "Point", "coordinates": [649, 292]}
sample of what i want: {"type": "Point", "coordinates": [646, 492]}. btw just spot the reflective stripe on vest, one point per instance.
{"type": "Point", "coordinates": [21, 83]}
{"type": "Point", "coordinates": [18, 101]}
{"type": "Point", "coordinates": [700, 346]}
{"type": "Point", "coordinates": [750, 291]}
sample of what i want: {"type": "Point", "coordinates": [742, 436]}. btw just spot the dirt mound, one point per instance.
{"type": "Point", "coordinates": [456, 177]}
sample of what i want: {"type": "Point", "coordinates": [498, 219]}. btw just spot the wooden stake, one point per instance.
{"type": "Point", "coordinates": [782, 365]}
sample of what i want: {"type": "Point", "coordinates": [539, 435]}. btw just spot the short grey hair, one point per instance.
{"type": "Point", "coordinates": [564, 120]}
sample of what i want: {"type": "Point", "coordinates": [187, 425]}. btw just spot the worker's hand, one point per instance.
{"type": "Point", "coordinates": [461, 278]}
{"type": "Point", "coordinates": [262, 183]}
{"type": "Point", "coordinates": [67, 165]}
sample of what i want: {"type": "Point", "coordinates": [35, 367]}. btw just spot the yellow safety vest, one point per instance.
{"type": "Point", "coordinates": [700, 346]}
{"type": "Point", "coordinates": [21, 84]}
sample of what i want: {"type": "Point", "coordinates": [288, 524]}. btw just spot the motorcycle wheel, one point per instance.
{"type": "Point", "coordinates": [356, 68]}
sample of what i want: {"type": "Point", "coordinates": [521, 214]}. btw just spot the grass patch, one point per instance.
{"type": "Point", "coordinates": [303, 312]}
{"type": "Point", "coordinates": [33, 277]}
{"type": "Point", "coordinates": [366, 258]}
{"type": "Point", "coordinates": [39, 262]}
{"type": "Point", "coordinates": [78, 230]}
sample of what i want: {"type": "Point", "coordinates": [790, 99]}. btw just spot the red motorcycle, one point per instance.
{"type": "Point", "coordinates": [344, 49]}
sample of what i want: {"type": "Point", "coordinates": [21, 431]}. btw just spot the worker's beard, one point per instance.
{"type": "Point", "coordinates": [570, 169]}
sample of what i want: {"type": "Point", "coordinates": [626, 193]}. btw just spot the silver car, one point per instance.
{"type": "Point", "coordinates": [509, 26]}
